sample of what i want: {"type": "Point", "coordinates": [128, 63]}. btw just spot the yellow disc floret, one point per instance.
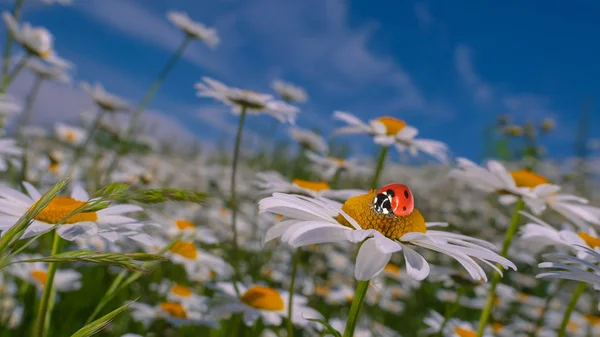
{"type": "Point", "coordinates": [185, 249]}
{"type": "Point", "coordinates": [590, 240]}
{"type": "Point", "coordinates": [392, 125]}
{"type": "Point", "coordinates": [174, 309]}
{"type": "Point", "coordinates": [40, 275]}
{"type": "Point", "coordinates": [310, 185]}
{"type": "Point", "coordinates": [263, 298]}
{"type": "Point", "coordinates": [183, 224]}
{"type": "Point", "coordinates": [524, 178]}
{"type": "Point", "coordinates": [61, 207]}
{"type": "Point", "coordinates": [360, 208]}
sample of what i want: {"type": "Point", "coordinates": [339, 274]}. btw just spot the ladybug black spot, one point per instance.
{"type": "Point", "coordinates": [406, 195]}
{"type": "Point", "coordinates": [390, 193]}
{"type": "Point", "coordinates": [404, 208]}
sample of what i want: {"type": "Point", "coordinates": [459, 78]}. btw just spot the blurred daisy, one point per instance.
{"type": "Point", "coordinates": [458, 328]}
{"type": "Point", "coordinates": [35, 40]}
{"type": "Point", "coordinates": [537, 193]}
{"type": "Point", "coordinates": [262, 302]}
{"type": "Point", "coordinates": [173, 312]}
{"type": "Point", "coordinates": [289, 92]}
{"type": "Point", "coordinates": [48, 72]}
{"type": "Point", "coordinates": [309, 139]}
{"type": "Point", "coordinates": [330, 166]}
{"type": "Point", "coordinates": [193, 28]}
{"type": "Point", "coordinates": [254, 102]}
{"type": "Point", "coordinates": [192, 258]}
{"type": "Point", "coordinates": [36, 273]}
{"type": "Point", "coordinates": [388, 131]}
{"type": "Point", "coordinates": [573, 268]}
{"type": "Point", "coordinates": [8, 106]}
{"type": "Point", "coordinates": [104, 99]}
{"type": "Point", "coordinates": [69, 134]}
{"type": "Point", "coordinates": [179, 293]}
{"type": "Point", "coordinates": [14, 204]}
{"type": "Point", "coordinates": [270, 182]}
{"type": "Point", "coordinates": [9, 152]}
{"type": "Point", "coordinates": [174, 226]}
{"type": "Point", "coordinates": [310, 221]}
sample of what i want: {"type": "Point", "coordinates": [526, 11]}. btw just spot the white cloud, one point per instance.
{"type": "Point", "coordinates": [463, 61]}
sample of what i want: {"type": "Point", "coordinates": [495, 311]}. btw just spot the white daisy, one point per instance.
{"type": "Point", "coordinates": [271, 182]}
{"type": "Point", "coordinates": [253, 102]}
{"type": "Point", "coordinates": [262, 302]}
{"type": "Point", "coordinates": [9, 152]}
{"type": "Point", "coordinates": [289, 92]}
{"type": "Point", "coordinates": [36, 40]}
{"type": "Point", "coordinates": [310, 221]}
{"type": "Point", "coordinates": [8, 106]}
{"type": "Point", "coordinates": [70, 134]}
{"type": "Point", "coordinates": [193, 28]}
{"type": "Point", "coordinates": [36, 273]}
{"type": "Point", "coordinates": [107, 222]}
{"type": "Point", "coordinates": [388, 131]}
{"type": "Point", "coordinates": [309, 139]}
{"type": "Point", "coordinates": [330, 166]}
{"type": "Point", "coordinates": [180, 293]}
{"type": "Point", "coordinates": [173, 312]}
{"type": "Point", "coordinates": [104, 99]}
{"type": "Point", "coordinates": [48, 72]}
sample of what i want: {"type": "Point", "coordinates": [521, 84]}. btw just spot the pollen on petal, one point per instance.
{"type": "Point", "coordinates": [360, 208]}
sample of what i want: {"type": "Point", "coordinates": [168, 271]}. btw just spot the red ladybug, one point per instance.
{"type": "Point", "coordinates": [394, 199]}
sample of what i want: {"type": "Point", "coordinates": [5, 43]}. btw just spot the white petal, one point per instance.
{"type": "Point", "coordinates": [80, 230]}
{"type": "Point", "coordinates": [416, 266]}
{"type": "Point", "coordinates": [370, 261]}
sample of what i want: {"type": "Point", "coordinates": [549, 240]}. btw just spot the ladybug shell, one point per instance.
{"type": "Point", "coordinates": [401, 198]}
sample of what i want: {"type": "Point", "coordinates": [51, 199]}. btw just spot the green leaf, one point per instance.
{"type": "Point", "coordinates": [327, 326]}
{"type": "Point", "coordinates": [99, 324]}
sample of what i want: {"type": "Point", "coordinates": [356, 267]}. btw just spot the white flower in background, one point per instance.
{"type": "Point", "coordinates": [388, 131]}
{"type": "Point", "coordinates": [104, 99]}
{"type": "Point", "coordinates": [193, 28]}
{"type": "Point", "coordinates": [14, 204]}
{"type": "Point", "coordinates": [289, 92]}
{"type": "Point", "coordinates": [459, 328]}
{"type": "Point", "coordinates": [179, 293]}
{"type": "Point", "coordinates": [310, 221]}
{"type": "Point", "coordinates": [175, 313]}
{"type": "Point", "coordinates": [9, 151]}
{"type": "Point", "coordinates": [329, 166]}
{"type": "Point", "coordinates": [254, 102]}
{"type": "Point", "coordinates": [36, 273]}
{"type": "Point", "coordinates": [271, 182]}
{"type": "Point", "coordinates": [174, 226]}
{"type": "Point", "coordinates": [309, 139]}
{"type": "Point", "coordinates": [8, 106]}
{"type": "Point", "coordinates": [196, 261]}
{"type": "Point", "coordinates": [535, 190]}
{"type": "Point", "coordinates": [36, 40]}
{"type": "Point", "coordinates": [70, 134]}
{"type": "Point", "coordinates": [48, 71]}
{"type": "Point", "coordinates": [262, 302]}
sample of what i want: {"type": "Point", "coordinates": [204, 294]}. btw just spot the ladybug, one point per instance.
{"type": "Point", "coordinates": [394, 199]}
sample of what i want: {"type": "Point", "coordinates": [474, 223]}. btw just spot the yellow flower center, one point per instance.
{"type": "Point", "coordinates": [70, 136]}
{"type": "Point", "coordinates": [223, 212]}
{"type": "Point", "coordinates": [392, 269]}
{"type": "Point", "coordinates": [572, 326]}
{"type": "Point", "coordinates": [338, 161]}
{"type": "Point", "coordinates": [263, 298]}
{"type": "Point", "coordinates": [392, 125]}
{"type": "Point", "coordinates": [40, 275]}
{"type": "Point", "coordinates": [590, 240]}
{"type": "Point", "coordinates": [310, 185]}
{"type": "Point", "coordinates": [465, 332]}
{"type": "Point", "coordinates": [497, 327]}
{"type": "Point", "coordinates": [60, 207]}
{"type": "Point", "coordinates": [183, 224]}
{"type": "Point", "coordinates": [180, 290]}
{"type": "Point", "coordinates": [591, 319]}
{"type": "Point", "coordinates": [185, 249]}
{"type": "Point", "coordinates": [321, 290]}
{"type": "Point", "coordinates": [360, 208]}
{"type": "Point", "coordinates": [523, 297]}
{"type": "Point", "coordinates": [174, 309]}
{"type": "Point", "coordinates": [53, 167]}
{"type": "Point", "coordinates": [44, 54]}
{"type": "Point", "coordinates": [524, 178]}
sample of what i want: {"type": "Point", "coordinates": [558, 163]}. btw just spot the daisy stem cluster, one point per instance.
{"type": "Point", "coordinates": [357, 301]}
{"type": "Point", "coordinates": [233, 196]}
{"type": "Point", "coordinates": [380, 162]}
{"type": "Point", "coordinates": [510, 233]}
{"type": "Point", "coordinates": [571, 306]}
{"type": "Point", "coordinates": [16, 12]}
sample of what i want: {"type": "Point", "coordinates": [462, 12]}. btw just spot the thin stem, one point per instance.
{"type": "Point", "coordinates": [48, 291]}
{"type": "Point", "coordinates": [359, 297]}
{"type": "Point", "coordinates": [147, 98]}
{"type": "Point", "coordinates": [290, 324]}
{"type": "Point", "coordinates": [16, 12]}
{"type": "Point", "coordinates": [236, 154]}
{"type": "Point", "coordinates": [380, 162]}
{"type": "Point", "coordinates": [572, 303]}
{"type": "Point", "coordinates": [6, 80]}
{"type": "Point", "coordinates": [29, 101]}
{"type": "Point", "coordinates": [81, 149]}
{"type": "Point", "coordinates": [510, 233]}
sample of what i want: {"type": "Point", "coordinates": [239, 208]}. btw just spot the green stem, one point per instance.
{"type": "Point", "coordinates": [236, 154]}
{"type": "Point", "coordinates": [147, 98]}
{"type": "Point", "coordinates": [290, 324]}
{"type": "Point", "coordinates": [510, 233]}
{"type": "Point", "coordinates": [380, 162]}
{"type": "Point", "coordinates": [572, 303]}
{"type": "Point", "coordinates": [108, 296]}
{"type": "Point", "coordinates": [43, 309]}
{"type": "Point", "coordinates": [16, 13]}
{"type": "Point", "coordinates": [359, 297]}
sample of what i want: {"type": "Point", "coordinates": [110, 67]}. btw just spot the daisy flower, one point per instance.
{"type": "Point", "coordinates": [310, 221]}
{"type": "Point", "coordinates": [535, 190]}
{"type": "Point", "coordinates": [8, 106]}
{"type": "Point", "coordinates": [36, 273]}
{"type": "Point", "coordinates": [270, 182]}
{"type": "Point", "coordinates": [388, 131]}
{"type": "Point", "coordinates": [573, 268]}
{"type": "Point", "coordinates": [9, 152]}
{"type": "Point", "coordinates": [193, 28]}
{"type": "Point", "coordinates": [262, 302]}
{"type": "Point", "coordinates": [177, 314]}
{"type": "Point", "coordinates": [289, 92]}
{"type": "Point", "coordinates": [329, 166]}
{"type": "Point", "coordinates": [458, 328]}
{"type": "Point", "coordinates": [69, 134]}
{"type": "Point", "coordinates": [174, 226]}
{"type": "Point", "coordinates": [195, 260]}
{"type": "Point", "coordinates": [254, 102]}
{"type": "Point", "coordinates": [48, 72]}
{"type": "Point", "coordinates": [14, 204]}
{"type": "Point", "coordinates": [35, 40]}
{"type": "Point", "coordinates": [179, 293]}
{"type": "Point", "coordinates": [309, 139]}
{"type": "Point", "coordinates": [104, 99]}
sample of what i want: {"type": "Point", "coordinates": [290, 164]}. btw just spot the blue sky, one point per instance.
{"type": "Point", "coordinates": [448, 68]}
